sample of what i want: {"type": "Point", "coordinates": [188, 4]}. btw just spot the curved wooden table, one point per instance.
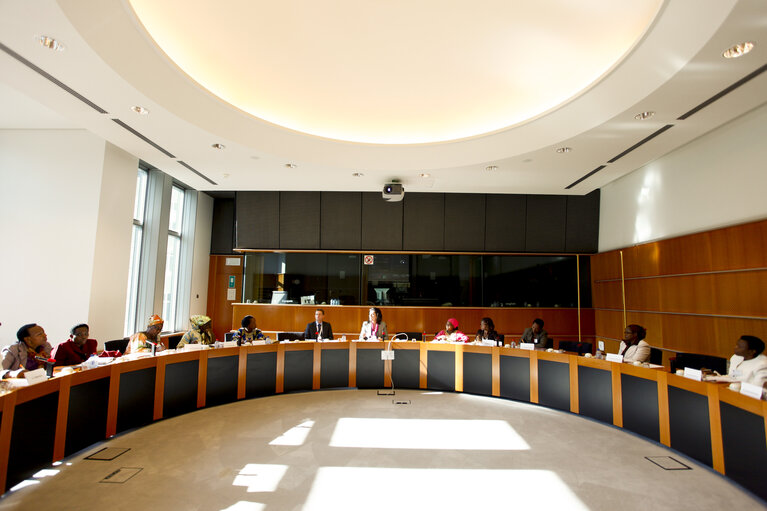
{"type": "Point", "coordinates": [706, 421]}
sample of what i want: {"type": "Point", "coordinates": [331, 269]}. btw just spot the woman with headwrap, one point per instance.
{"type": "Point", "coordinates": [200, 333]}
{"type": "Point", "coordinates": [141, 342]}
{"type": "Point", "coordinates": [451, 333]}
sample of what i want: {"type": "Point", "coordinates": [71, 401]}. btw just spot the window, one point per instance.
{"type": "Point", "coordinates": [139, 212]}
{"type": "Point", "coordinates": [173, 258]}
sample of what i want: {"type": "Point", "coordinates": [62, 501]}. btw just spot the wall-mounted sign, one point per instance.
{"type": "Point", "coordinates": [231, 281]}
{"type": "Point", "coordinates": [368, 260]}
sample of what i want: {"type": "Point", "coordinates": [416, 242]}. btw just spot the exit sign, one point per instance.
{"type": "Point", "coordinates": [231, 281]}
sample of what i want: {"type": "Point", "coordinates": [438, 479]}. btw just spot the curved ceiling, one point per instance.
{"type": "Point", "coordinates": [396, 72]}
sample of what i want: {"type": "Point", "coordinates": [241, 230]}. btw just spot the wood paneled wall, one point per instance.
{"type": "Point", "coordinates": [697, 293]}
{"type": "Point", "coordinates": [219, 307]}
{"type": "Point", "coordinates": [562, 324]}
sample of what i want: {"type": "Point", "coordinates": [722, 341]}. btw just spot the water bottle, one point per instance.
{"type": "Point", "coordinates": [92, 362]}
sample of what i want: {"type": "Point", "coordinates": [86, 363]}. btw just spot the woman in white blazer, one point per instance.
{"type": "Point", "coordinates": [374, 328]}
{"type": "Point", "coordinates": [633, 347]}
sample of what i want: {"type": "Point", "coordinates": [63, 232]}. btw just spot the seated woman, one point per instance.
{"type": "Point", "coordinates": [77, 349]}
{"type": "Point", "coordinates": [749, 364]}
{"type": "Point", "coordinates": [141, 342]}
{"type": "Point", "coordinates": [28, 354]}
{"type": "Point", "coordinates": [200, 333]}
{"type": "Point", "coordinates": [375, 327]}
{"type": "Point", "coordinates": [633, 347]}
{"type": "Point", "coordinates": [451, 333]}
{"type": "Point", "coordinates": [487, 331]}
{"type": "Point", "coordinates": [248, 332]}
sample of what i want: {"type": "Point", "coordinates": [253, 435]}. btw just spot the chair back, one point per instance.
{"type": "Point", "coordinates": [413, 336]}
{"type": "Point", "coordinates": [656, 356]}
{"type": "Point", "coordinates": [290, 336]}
{"type": "Point", "coordinates": [698, 361]}
{"type": "Point", "coordinates": [117, 345]}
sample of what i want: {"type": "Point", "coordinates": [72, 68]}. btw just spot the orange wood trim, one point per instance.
{"type": "Point", "coordinates": [764, 414]}
{"type": "Point", "coordinates": [37, 390]}
{"type": "Point", "coordinates": [6, 428]}
{"type": "Point", "coordinates": [87, 376]}
{"type": "Point", "coordinates": [202, 378]}
{"type": "Point", "coordinates": [114, 399]}
{"type": "Point", "coordinates": [59, 440]}
{"type": "Point", "coordinates": [640, 372]}
{"type": "Point", "coordinates": [316, 366]}
{"type": "Point", "coordinates": [352, 364]}
{"type": "Point", "coordinates": [617, 395]}
{"type": "Point", "coordinates": [533, 376]}
{"type": "Point", "coordinates": [424, 358]}
{"type": "Point", "coordinates": [159, 387]}
{"type": "Point", "coordinates": [496, 371]}
{"type": "Point", "coordinates": [242, 368]}
{"type": "Point", "coordinates": [595, 363]}
{"type": "Point", "coordinates": [743, 402]}
{"type": "Point", "coordinates": [574, 397]}
{"type": "Point", "coordinates": [715, 418]}
{"type": "Point", "coordinates": [458, 368]}
{"type": "Point", "coordinates": [663, 411]}
{"type": "Point", "coordinates": [280, 384]}
{"type": "Point", "coordinates": [698, 387]}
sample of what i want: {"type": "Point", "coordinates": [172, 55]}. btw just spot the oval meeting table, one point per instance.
{"type": "Point", "coordinates": [48, 421]}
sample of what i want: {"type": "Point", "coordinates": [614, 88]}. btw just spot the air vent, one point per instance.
{"type": "Point", "coordinates": [641, 143]}
{"type": "Point", "coordinates": [585, 177]}
{"type": "Point", "coordinates": [142, 137]}
{"type": "Point", "coordinates": [724, 92]}
{"type": "Point", "coordinates": [51, 79]}
{"type": "Point", "coordinates": [206, 178]}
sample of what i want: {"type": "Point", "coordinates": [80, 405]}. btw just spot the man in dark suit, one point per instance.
{"type": "Point", "coordinates": [318, 328]}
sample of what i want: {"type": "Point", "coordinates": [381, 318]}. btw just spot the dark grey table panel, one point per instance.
{"type": "Point", "coordinates": [640, 406]}
{"type": "Point", "coordinates": [261, 374]}
{"type": "Point", "coordinates": [554, 384]}
{"type": "Point", "coordinates": [440, 367]}
{"type": "Point", "coordinates": [334, 369]}
{"type": "Point", "coordinates": [299, 370]}
{"type": "Point", "coordinates": [478, 373]}
{"type": "Point", "coordinates": [180, 394]}
{"type": "Point", "coordinates": [135, 403]}
{"type": "Point", "coordinates": [595, 393]}
{"type": "Point", "coordinates": [221, 382]}
{"type": "Point", "coordinates": [515, 378]}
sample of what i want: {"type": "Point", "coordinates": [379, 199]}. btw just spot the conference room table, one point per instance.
{"type": "Point", "coordinates": [48, 421]}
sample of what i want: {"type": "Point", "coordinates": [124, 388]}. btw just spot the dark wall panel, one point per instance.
{"type": "Point", "coordinates": [221, 383]}
{"type": "Point", "coordinates": [300, 220]}
{"type": "Point", "coordinates": [406, 369]}
{"type": "Point", "coordinates": [341, 221]}
{"type": "Point", "coordinates": [546, 223]}
{"type": "Point", "coordinates": [222, 233]}
{"type": "Point", "coordinates": [135, 404]}
{"type": "Point", "coordinates": [478, 373]}
{"type": "Point", "coordinates": [515, 378]}
{"type": "Point", "coordinates": [744, 462]}
{"type": "Point", "coordinates": [381, 223]}
{"type": "Point", "coordinates": [582, 231]}
{"type": "Point", "coordinates": [32, 435]}
{"type": "Point", "coordinates": [424, 221]}
{"type": "Point", "coordinates": [554, 384]}
{"type": "Point", "coordinates": [505, 222]}
{"type": "Point", "coordinates": [257, 220]}
{"type": "Point", "coordinates": [440, 370]}
{"type": "Point", "coordinates": [261, 374]}
{"type": "Point", "coordinates": [689, 424]}
{"type": "Point", "coordinates": [87, 415]}
{"type": "Point", "coordinates": [370, 368]}
{"type": "Point", "coordinates": [180, 388]}
{"type": "Point", "coordinates": [334, 369]}
{"type": "Point", "coordinates": [465, 222]}
{"type": "Point", "coordinates": [640, 406]}
{"type": "Point", "coordinates": [299, 366]}
{"type": "Point", "coordinates": [595, 393]}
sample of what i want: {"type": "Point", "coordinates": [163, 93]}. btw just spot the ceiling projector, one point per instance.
{"type": "Point", "coordinates": [393, 192]}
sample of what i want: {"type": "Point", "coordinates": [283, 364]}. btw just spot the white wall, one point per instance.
{"type": "Point", "coordinates": [50, 188]}
{"type": "Point", "coordinates": [717, 180]}
{"type": "Point", "coordinates": [109, 287]}
{"type": "Point", "coordinates": [198, 299]}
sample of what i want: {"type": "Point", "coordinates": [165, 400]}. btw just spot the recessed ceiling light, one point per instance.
{"type": "Point", "coordinates": [644, 116]}
{"type": "Point", "coordinates": [254, 157]}
{"type": "Point", "coordinates": [424, 175]}
{"type": "Point", "coordinates": [50, 43]}
{"type": "Point", "coordinates": [357, 174]}
{"type": "Point", "coordinates": [140, 110]}
{"type": "Point", "coordinates": [561, 150]}
{"type": "Point", "coordinates": [491, 168]}
{"type": "Point", "coordinates": [218, 146]}
{"type": "Point", "coordinates": [738, 50]}
{"type": "Point", "coordinates": [290, 165]}
{"type": "Point", "coordinates": [226, 175]}
{"type": "Point", "coordinates": [527, 160]}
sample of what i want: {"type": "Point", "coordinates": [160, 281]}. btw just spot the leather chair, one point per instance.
{"type": "Point", "coordinates": [698, 361]}
{"type": "Point", "coordinates": [413, 336]}
{"type": "Point", "coordinates": [290, 336]}
{"type": "Point", "coordinates": [656, 356]}
{"type": "Point", "coordinates": [117, 345]}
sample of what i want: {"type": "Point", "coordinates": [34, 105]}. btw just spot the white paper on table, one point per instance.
{"type": "Point", "coordinates": [192, 347]}
{"type": "Point", "coordinates": [230, 344]}
{"type": "Point", "coordinates": [693, 374]}
{"type": "Point", "coordinates": [35, 376]}
{"type": "Point", "coordinates": [614, 357]}
{"type": "Point", "coordinates": [527, 346]}
{"type": "Point", "coordinates": [751, 390]}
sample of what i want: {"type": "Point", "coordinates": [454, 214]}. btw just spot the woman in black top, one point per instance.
{"type": "Point", "coordinates": [487, 331]}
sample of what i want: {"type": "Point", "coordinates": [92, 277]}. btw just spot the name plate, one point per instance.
{"type": "Point", "coordinates": [527, 346]}
{"type": "Point", "coordinates": [747, 389]}
{"type": "Point", "coordinates": [35, 376]}
{"type": "Point", "coordinates": [230, 344]}
{"type": "Point", "coordinates": [192, 347]}
{"type": "Point", "coordinates": [614, 357]}
{"type": "Point", "coordinates": [693, 374]}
